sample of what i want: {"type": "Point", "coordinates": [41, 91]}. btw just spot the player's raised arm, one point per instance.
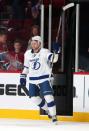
{"type": "Point", "coordinates": [53, 57]}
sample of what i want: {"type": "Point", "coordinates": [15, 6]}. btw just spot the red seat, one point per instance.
{"type": "Point", "coordinates": [27, 23]}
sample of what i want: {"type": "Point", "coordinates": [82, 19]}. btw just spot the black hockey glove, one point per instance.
{"type": "Point", "coordinates": [23, 79]}
{"type": "Point", "coordinates": [56, 48]}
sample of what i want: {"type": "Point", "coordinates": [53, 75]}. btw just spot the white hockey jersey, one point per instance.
{"type": "Point", "coordinates": [38, 65]}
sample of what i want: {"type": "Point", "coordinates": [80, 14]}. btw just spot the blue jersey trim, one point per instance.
{"type": "Point", "coordinates": [51, 104]}
{"type": "Point", "coordinates": [42, 103]}
{"type": "Point", "coordinates": [39, 78]}
{"type": "Point", "coordinates": [49, 57]}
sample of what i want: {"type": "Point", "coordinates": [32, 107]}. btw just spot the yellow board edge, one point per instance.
{"type": "Point", "coordinates": [35, 115]}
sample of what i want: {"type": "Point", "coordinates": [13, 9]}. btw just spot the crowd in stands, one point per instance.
{"type": "Point", "coordinates": [10, 59]}
{"type": "Point", "coordinates": [13, 46]}
{"type": "Point", "coordinates": [19, 9]}
{"type": "Point", "coordinates": [19, 21]}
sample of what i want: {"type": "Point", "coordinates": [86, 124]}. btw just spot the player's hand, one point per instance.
{"type": "Point", "coordinates": [56, 48]}
{"type": "Point", "coordinates": [23, 79]}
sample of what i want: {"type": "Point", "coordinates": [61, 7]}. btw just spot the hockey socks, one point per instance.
{"type": "Point", "coordinates": [39, 102]}
{"type": "Point", "coordinates": [51, 104]}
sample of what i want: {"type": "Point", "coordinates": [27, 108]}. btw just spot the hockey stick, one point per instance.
{"type": "Point", "coordinates": [59, 27]}
{"type": "Point", "coordinates": [68, 6]}
{"type": "Point", "coordinates": [64, 8]}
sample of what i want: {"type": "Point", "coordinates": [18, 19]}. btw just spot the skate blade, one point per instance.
{"type": "Point", "coordinates": [55, 123]}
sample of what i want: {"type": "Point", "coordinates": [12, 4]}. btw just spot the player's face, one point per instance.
{"type": "Point", "coordinates": [35, 45]}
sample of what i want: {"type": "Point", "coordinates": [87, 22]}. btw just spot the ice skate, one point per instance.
{"type": "Point", "coordinates": [54, 120]}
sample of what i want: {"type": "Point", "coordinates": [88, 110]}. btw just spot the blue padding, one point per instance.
{"type": "Point", "coordinates": [45, 88]}
{"type": "Point", "coordinates": [33, 90]}
{"type": "Point", "coordinates": [51, 104]}
{"type": "Point", "coordinates": [42, 103]}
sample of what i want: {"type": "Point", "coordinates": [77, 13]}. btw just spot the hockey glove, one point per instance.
{"type": "Point", "coordinates": [23, 79]}
{"type": "Point", "coordinates": [56, 48]}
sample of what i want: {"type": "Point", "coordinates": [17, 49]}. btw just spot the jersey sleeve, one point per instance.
{"type": "Point", "coordinates": [49, 55]}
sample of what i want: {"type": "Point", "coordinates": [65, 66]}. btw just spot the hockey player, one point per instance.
{"type": "Point", "coordinates": [37, 63]}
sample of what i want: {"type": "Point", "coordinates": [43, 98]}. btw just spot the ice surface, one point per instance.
{"type": "Point", "coordinates": [41, 125]}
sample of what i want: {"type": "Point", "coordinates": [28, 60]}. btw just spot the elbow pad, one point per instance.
{"type": "Point", "coordinates": [54, 58]}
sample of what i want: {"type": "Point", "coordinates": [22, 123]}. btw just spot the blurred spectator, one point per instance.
{"type": "Point", "coordinates": [32, 11]}
{"type": "Point", "coordinates": [28, 13]}
{"type": "Point", "coordinates": [15, 24]}
{"type": "Point", "coordinates": [18, 7]}
{"type": "Point", "coordinates": [4, 24]}
{"type": "Point", "coordinates": [36, 15]}
{"type": "Point", "coordinates": [5, 9]}
{"type": "Point", "coordinates": [2, 7]}
{"type": "Point", "coordinates": [34, 31]}
{"type": "Point", "coordinates": [3, 38]}
{"type": "Point", "coordinates": [34, 2]}
{"type": "Point", "coordinates": [3, 49]}
{"type": "Point", "coordinates": [16, 56]}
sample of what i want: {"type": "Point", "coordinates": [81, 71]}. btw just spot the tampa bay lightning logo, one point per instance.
{"type": "Point", "coordinates": [36, 65]}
